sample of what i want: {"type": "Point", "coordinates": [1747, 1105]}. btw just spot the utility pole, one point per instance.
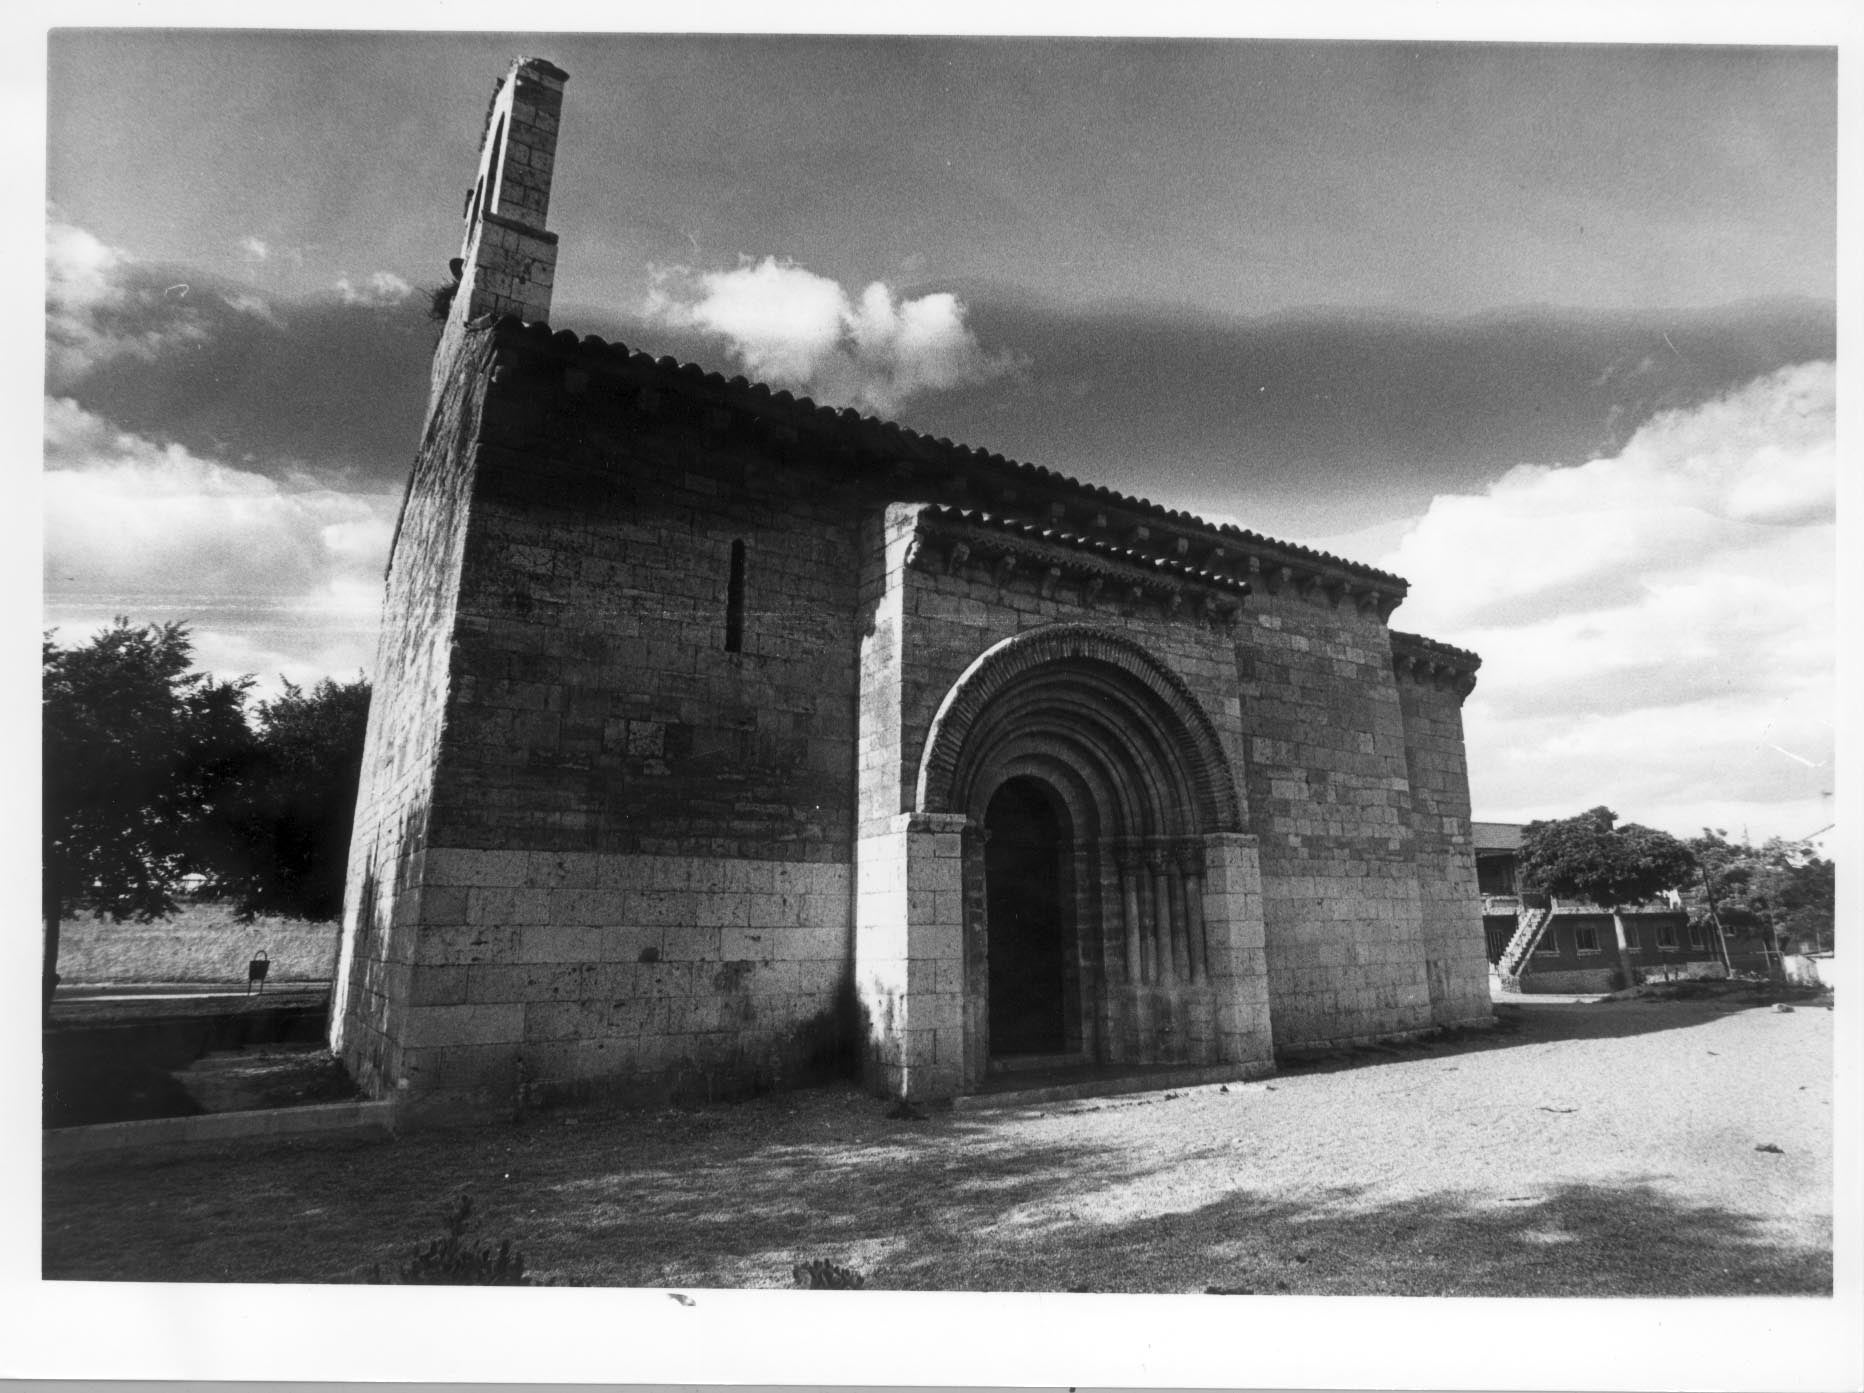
{"type": "Point", "coordinates": [1715, 917]}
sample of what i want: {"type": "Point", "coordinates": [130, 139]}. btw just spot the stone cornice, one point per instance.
{"type": "Point", "coordinates": [1427, 661]}
{"type": "Point", "coordinates": [1013, 552]}
{"type": "Point", "coordinates": [903, 464]}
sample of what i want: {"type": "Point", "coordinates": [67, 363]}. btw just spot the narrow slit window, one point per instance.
{"type": "Point", "coordinates": [734, 601]}
{"type": "Point", "coordinates": [494, 169]}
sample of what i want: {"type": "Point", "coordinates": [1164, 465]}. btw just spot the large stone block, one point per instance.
{"type": "Point", "coordinates": [444, 1026]}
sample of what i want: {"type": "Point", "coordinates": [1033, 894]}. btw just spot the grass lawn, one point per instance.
{"type": "Point", "coordinates": [1600, 1150]}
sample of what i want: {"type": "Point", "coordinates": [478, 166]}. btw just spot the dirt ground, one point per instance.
{"type": "Point", "coordinates": [1599, 1150]}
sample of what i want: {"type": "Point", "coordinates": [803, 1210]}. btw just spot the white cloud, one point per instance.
{"type": "Point", "coordinates": [793, 328]}
{"type": "Point", "coordinates": [256, 306]}
{"type": "Point", "coordinates": [94, 312]}
{"type": "Point", "coordinates": [274, 258]}
{"type": "Point", "coordinates": [381, 290]}
{"type": "Point", "coordinates": [272, 577]}
{"type": "Point", "coordinates": [1652, 624]}
{"type": "Point", "coordinates": [81, 267]}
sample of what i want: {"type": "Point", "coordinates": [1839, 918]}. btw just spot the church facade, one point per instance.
{"type": "Point", "coordinates": [722, 740]}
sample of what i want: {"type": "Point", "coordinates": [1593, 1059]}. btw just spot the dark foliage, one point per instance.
{"type": "Point", "coordinates": [452, 1260]}
{"type": "Point", "coordinates": [287, 833]}
{"type": "Point", "coordinates": [1779, 891]}
{"type": "Point", "coordinates": [142, 758]}
{"type": "Point", "coordinates": [1591, 857]}
{"type": "Point", "coordinates": [153, 774]}
{"type": "Point", "coordinates": [440, 301]}
{"type": "Point", "coordinates": [823, 1275]}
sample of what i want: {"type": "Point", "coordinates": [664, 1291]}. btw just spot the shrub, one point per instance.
{"type": "Point", "coordinates": [823, 1275]}
{"type": "Point", "coordinates": [453, 1261]}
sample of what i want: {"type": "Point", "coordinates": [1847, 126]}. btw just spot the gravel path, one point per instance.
{"type": "Point", "coordinates": [1608, 1149]}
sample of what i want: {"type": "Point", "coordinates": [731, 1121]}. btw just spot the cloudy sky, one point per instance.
{"type": "Point", "coordinates": [1548, 330]}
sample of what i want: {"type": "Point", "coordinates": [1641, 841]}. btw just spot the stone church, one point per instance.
{"type": "Point", "coordinates": [723, 740]}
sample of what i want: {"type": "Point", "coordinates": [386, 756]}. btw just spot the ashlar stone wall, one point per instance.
{"type": "Point", "coordinates": [413, 681]}
{"type": "Point", "coordinates": [932, 607]}
{"type": "Point", "coordinates": [1329, 794]}
{"type": "Point", "coordinates": [634, 878]}
{"type": "Point", "coordinates": [1431, 694]}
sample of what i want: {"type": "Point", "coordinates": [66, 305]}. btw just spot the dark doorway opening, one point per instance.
{"type": "Point", "coordinates": [1023, 901]}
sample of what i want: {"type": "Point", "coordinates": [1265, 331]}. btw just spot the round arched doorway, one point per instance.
{"type": "Point", "coordinates": [1095, 779]}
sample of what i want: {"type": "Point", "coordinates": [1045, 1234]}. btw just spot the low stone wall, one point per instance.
{"type": "Point", "coordinates": [1805, 971]}
{"type": "Point", "coordinates": [216, 1129]}
{"type": "Point", "coordinates": [1682, 972]}
{"type": "Point", "coordinates": [1590, 979]}
{"type": "Point", "coordinates": [202, 942]}
{"type": "Point", "coordinates": [1752, 963]}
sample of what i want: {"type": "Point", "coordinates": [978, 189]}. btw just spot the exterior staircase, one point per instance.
{"type": "Point", "coordinates": [1526, 938]}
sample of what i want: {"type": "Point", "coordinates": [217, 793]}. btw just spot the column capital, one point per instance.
{"type": "Point", "coordinates": [1246, 840]}
{"type": "Point", "coordinates": [946, 823]}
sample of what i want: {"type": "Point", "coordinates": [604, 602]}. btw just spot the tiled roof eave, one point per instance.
{"type": "Point", "coordinates": [942, 520]}
{"type": "Point", "coordinates": [1418, 645]}
{"type": "Point", "coordinates": [1269, 556]}
{"type": "Point", "coordinates": [1428, 661]}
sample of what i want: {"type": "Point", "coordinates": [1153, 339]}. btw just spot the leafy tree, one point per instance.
{"type": "Point", "coordinates": [1809, 902]}
{"type": "Point", "coordinates": [1590, 857]}
{"type": "Point", "coordinates": [1769, 891]}
{"type": "Point", "coordinates": [140, 755]}
{"type": "Point", "coordinates": [288, 832]}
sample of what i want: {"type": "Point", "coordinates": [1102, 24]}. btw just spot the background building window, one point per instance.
{"type": "Point", "coordinates": [1585, 939]}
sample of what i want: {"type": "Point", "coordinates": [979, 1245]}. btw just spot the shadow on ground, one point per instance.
{"type": "Point", "coordinates": [176, 1064]}
{"type": "Point", "coordinates": [1568, 1240]}
{"type": "Point", "coordinates": [1035, 1220]}
{"type": "Point", "coordinates": [720, 1198]}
